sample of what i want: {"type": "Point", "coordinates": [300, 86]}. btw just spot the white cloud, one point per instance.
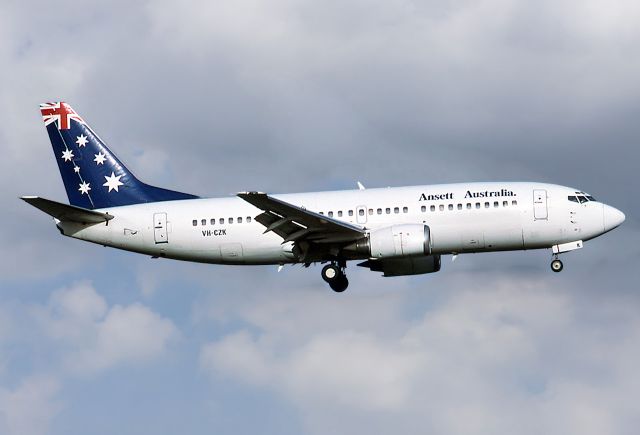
{"type": "Point", "coordinates": [96, 337]}
{"type": "Point", "coordinates": [505, 356]}
{"type": "Point", "coordinates": [29, 408]}
{"type": "Point", "coordinates": [131, 334]}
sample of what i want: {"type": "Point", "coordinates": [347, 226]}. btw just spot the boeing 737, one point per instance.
{"type": "Point", "coordinates": [396, 231]}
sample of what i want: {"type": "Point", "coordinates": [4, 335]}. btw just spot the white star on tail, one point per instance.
{"type": "Point", "coordinates": [81, 140]}
{"type": "Point", "coordinates": [67, 155]}
{"type": "Point", "coordinates": [100, 158]}
{"type": "Point", "coordinates": [76, 169]}
{"type": "Point", "coordinates": [113, 182]}
{"type": "Point", "coordinates": [84, 188]}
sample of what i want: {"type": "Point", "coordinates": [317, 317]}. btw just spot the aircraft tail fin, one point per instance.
{"type": "Point", "coordinates": [93, 176]}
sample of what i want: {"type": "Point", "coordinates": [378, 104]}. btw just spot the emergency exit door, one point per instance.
{"type": "Point", "coordinates": [160, 228]}
{"type": "Point", "coordinates": [540, 210]}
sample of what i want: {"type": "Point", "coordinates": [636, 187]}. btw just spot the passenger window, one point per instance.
{"type": "Point", "coordinates": [514, 202]}
{"type": "Point", "coordinates": [505, 203]}
{"type": "Point", "coordinates": [330, 214]}
{"type": "Point", "coordinates": [405, 209]}
{"type": "Point", "coordinates": [441, 207]}
{"type": "Point", "coordinates": [239, 220]}
{"type": "Point", "coordinates": [379, 211]}
{"type": "Point", "coordinates": [361, 212]}
{"type": "Point", "coordinates": [203, 222]}
{"type": "Point", "coordinates": [450, 206]}
{"type": "Point", "coordinates": [213, 221]}
{"type": "Point", "coordinates": [248, 219]}
{"type": "Point", "coordinates": [230, 220]}
{"type": "Point", "coordinates": [370, 211]}
{"type": "Point", "coordinates": [486, 205]}
{"type": "Point", "coordinates": [350, 212]}
{"type": "Point", "coordinates": [459, 206]}
{"type": "Point", "coordinates": [387, 210]}
{"type": "Point", "coordinates": [423, 208]}
{"type": "Point", "coordinates": [396, 210]}
{"type": "Point", "coordinates": [322, 213]}
{"type": "Point", "coordinates": [468, 206]}
{"type": "Point", "coordinates": [195, 223]}
{"type": "Point", "coordinates": [477, 205]}
{"type": "Point", "coordinates": [339, 213]}
{"type": "Point", "coordinates": [496, 204]}
{"type": "Point", "coordinates": [432, 208]}
{"type": "Point", "coordinates": [221, 220]}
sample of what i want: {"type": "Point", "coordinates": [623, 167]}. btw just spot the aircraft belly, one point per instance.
{"type": "Point", "coordinates": [503, 239]}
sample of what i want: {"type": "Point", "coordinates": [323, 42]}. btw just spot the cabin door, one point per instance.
{"type": "Point", "coordinates": [160, 234]}
{"type": "Point", "coordinates": [540, 210]}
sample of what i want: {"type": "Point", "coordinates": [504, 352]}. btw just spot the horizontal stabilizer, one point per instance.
{"type": "Point", "coordinates": [67, 213]}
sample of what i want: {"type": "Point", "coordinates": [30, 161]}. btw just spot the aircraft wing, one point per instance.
{"type": "Point", "coordinates": [65, 212]}
{"type": "Point", "coordinates": [296, 224]}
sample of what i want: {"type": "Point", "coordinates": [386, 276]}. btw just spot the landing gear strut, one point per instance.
{"type": "Point", "coordinates": [334, 275]}
{"type": "Point", "coordinates": [556, 264]}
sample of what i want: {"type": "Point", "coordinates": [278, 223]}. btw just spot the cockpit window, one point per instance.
{"type": "Point", "coordinates": [580, 198]}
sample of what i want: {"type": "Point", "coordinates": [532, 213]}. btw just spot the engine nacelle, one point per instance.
{"type": "Point", "coordinates": [404, 266]}
{"type": "Point", "coordinates": [404, 240]}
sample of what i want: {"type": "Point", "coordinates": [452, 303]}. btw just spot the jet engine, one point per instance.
{"type": "Point", "coordinates": [396, 241]}
{"type": "Point", "coordinates": [398, 250]}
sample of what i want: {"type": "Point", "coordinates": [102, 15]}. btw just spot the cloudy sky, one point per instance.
{"type": "Point", "coordinates": [215, 97]}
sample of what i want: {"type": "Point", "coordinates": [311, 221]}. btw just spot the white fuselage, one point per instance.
{"type": "Point", "coordinates": [466, 217]}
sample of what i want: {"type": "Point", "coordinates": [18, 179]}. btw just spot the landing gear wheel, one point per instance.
{"type": "Point", "coordinates": [556, 265]}
{"type": "Point", "coordinates": [339, 285]}
{"type": "Point", "coordinates": [334, 275]}
{"type": "Point", "coordinates": [331, 273]}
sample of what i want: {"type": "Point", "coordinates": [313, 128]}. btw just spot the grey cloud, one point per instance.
{"type": "Point", "coordinates": [214, 98]}
{"type": "Point", "coordinates": [509, 354]}
{"type": "Point", "coordinates": [94, 337]}
{"type": "Point", "coordinates": [29, 408]}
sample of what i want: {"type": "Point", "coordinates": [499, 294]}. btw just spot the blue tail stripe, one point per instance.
{"type": "Point", "coordinates": [93, 176]}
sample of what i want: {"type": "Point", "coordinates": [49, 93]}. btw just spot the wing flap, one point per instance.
{"type": "Point", "coordinates": [65, 212]}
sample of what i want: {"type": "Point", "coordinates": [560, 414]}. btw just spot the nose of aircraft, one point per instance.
{"type": "Point", "coordinates": [612, 217]}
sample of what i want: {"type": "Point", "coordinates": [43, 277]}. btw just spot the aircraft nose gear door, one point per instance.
{"type": "Point", "coordinates": [160, 228]}
{"type": "Point", "coordinates": [540, 204]}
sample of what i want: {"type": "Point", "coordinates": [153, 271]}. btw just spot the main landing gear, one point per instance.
{"type": "Point", "coordinates": [334, 275]}
{"type": "Point", "coordinates": [556, 264]}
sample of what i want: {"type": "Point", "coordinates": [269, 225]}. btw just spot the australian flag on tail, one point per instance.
{"type": "Point", "coordinates": [93, 176]}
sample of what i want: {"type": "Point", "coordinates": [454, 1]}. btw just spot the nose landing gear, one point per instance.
{"type": "Point", "coordinates": [556, 264]}
{"type": "Point", "coordinates": [334, 275]}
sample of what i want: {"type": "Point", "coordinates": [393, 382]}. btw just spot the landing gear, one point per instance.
{"type": "Point", "coordinates": [556, 265]}
{"type": "Point", "coordinates": [334, 275]}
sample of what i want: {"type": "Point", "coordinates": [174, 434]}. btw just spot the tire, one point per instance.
{"type": "Point", "coordinates": [331, 273]}
{"type": "Point", "coordinates": [557, 266]}
{"type": "Point", "coordinates": [340, 285]}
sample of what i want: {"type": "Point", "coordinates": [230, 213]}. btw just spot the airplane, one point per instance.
{"type": "Point", "coordinates": [397, 231]}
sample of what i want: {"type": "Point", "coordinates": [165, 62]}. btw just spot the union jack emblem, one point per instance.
{"type": "Point", "coordinates": [61, 113]}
